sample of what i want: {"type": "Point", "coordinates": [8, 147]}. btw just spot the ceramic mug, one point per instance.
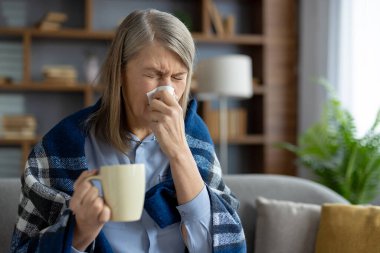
{"type": "Point", "coordinates": [123, 188]}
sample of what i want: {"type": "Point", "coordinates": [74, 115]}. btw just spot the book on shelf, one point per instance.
{"type": "Point", "coordinates": [60, 81]}
{"type": "Point", "coordinates": [18, 134]}
{"type": "Point", "coordinates": [59, 70]}
{"type": "Point", "coordinates": [18, 126]}
{"type": "Point", "coordinates": [18, 121]}
{"type": "Point", "coordinates": [49, 26]}
{"type": "Point", "coordinates": [52, 21]}
{"type": "Point", "coordinates": [58, 17]}
{"type": "Point", "coordinates": [237, 122]}
{"type": "Point", "coordinates": [60, 74]}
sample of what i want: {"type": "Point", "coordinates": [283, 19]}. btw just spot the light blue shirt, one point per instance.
{"type": "Point", "coordinates": [145, 235]}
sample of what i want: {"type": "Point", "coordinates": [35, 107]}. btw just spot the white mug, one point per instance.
{"type": "Point", "coordinates": [123, 190]}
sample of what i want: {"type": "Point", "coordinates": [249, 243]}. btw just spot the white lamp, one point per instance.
{"type": "Point", "coordinates": [223, 77]}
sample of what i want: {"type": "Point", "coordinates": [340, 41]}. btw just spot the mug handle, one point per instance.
{"type": "Point", "coordinates": [96, 177]}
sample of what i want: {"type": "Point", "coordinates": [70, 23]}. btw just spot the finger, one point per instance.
{"type": "Point", "coordinates": [95, 208]}
{"type": "Point", "coordinates": [79, 193]}
{"type": "Point", "coordinates": [166, 110]}
{"type": "Point", "coordinates": [76, 200]}
{"type": "Point", "coordinates": [159, 106]}
{"type": "Point", "coordinates": [91, 195]}
{"type": "Point", "coordinates": [105, 215]}
{"type": "Point", "coordinates": [83, 176]}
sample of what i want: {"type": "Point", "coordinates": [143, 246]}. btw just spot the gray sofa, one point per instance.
{"type": "Point", "coordinates": [246, 187]}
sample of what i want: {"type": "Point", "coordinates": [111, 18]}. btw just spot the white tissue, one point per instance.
{"type": "Point", "coordinates": [150, 94]}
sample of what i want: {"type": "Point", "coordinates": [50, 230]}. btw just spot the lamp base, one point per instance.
{"type": "Point", "coordinates": [223, 134]}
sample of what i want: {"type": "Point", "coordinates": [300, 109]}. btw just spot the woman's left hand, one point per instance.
{"type": "Point", "coordinates": [167, 123]}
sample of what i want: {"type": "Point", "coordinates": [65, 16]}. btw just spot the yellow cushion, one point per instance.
{"type": "Point", "coordinates": [349, 229]}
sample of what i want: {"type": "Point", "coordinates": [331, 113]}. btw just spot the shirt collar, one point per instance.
{"type": "Point", "coordinates": [151, 137]}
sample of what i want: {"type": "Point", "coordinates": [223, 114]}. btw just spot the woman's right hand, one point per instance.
{"type": "Point", "coordinates": [90, 211]}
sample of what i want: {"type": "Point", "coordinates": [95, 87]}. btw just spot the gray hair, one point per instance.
{"type": "Point", "coordinates": [138, 29]}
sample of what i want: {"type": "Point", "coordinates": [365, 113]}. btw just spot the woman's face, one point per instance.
{"type": "Point", "coordinates": [152, 67]}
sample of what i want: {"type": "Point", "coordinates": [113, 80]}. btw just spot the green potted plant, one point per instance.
{"type": "Point", "coordinates": [340, 159]}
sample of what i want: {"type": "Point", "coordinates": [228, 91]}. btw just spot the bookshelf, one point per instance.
{"type": "Point", "coordinates": [265, 30]}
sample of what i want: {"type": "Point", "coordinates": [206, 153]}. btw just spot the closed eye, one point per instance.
{"type": "Point", "coordinates": [151, 75]}
{"type": "Point", "coordinates": [179, 77]}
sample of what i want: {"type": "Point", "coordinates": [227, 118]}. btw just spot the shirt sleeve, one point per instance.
{"type": "Point", "coordinates": [196, 218]}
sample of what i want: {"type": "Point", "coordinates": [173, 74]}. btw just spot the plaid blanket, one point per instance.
{"type": "Point", "coordinates": [45, 223]}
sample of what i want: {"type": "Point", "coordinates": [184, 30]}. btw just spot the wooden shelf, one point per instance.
{"type": "Point", "coordinates": [234, 39]}
{"type": "Point", "coordinates": [74, 34]}
{"type": "Point", "coordinates": [18, 141]}
{"type": "Point", "coordinates": [61, 34]}
{"type": "Point", "coordinates": [251, 139]}
{"type": "Point", "coordinates": [87, 90]}
{"type": "Point", "coordinates": [258, 89]}
{"type": "Point", "coordinates": [46, 87]}
{"type": "Point", "coordinates": [242, 39]}
{"type": "Point", "coordinates": [12, 31]}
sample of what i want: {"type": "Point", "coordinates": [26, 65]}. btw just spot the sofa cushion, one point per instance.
{"type": "Point", "coordinates": [285, 226]}
{"type": "Point", "coordinates": [349, 229]}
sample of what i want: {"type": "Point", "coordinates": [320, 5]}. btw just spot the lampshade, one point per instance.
{"type": "Point", "coordinates": [225, 76]}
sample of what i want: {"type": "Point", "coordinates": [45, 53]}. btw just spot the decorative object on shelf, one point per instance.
{"type": "Point", "coordinates": [5, 80]}
{"type": "Point", "coordinates": [19, 127]}
{"type": "Point", "coordinates": [348, 164]}
{"type": "Point", "coordinates": [60, 74]}
{"type": "Point", "coordinates": [52, 21]}
{"type": "Point", "coordinates": [91, 68]}
{"type": "Point", "coordinates": [229, 25]}
{"type": "Point", "coordinates": [223, 77]}
{"type": "Point", "coordinates": [216, 18]}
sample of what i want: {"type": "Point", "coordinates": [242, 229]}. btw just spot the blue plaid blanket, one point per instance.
{"type": "Point", "coordinates": [45, 223]}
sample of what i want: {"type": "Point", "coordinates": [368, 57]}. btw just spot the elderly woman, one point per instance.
{"type": "Point", "coordinates": [187, 205]}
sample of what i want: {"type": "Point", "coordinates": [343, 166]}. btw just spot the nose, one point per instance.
{"type": "Point", "coordinates": [165, 81]}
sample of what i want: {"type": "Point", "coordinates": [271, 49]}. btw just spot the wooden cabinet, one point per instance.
{"type": "Point", "coordinates": [265, 30]}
